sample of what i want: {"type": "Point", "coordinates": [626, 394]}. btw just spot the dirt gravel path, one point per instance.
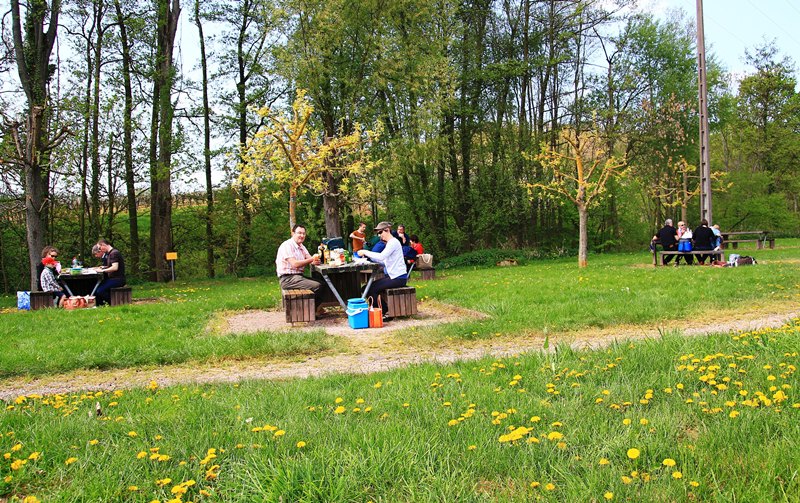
{"type": "Point", "coordinates": [375, 350]}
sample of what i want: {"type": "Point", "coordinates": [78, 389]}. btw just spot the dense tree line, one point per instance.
{"type": "Point", "coordinates": [128, 103]}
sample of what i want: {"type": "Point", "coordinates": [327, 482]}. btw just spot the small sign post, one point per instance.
{"type": "Point", "coordinates": [171, 258]}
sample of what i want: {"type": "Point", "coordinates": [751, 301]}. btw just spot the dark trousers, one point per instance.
{"type": "Point", "coordinates": [666, 259]}
{"type": "Point", "coordinates": [380, 286]}
{"type": "Point", "coordinates": [103, 292]}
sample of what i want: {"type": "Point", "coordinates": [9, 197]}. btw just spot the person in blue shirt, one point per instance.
{"type": "Point", "coordinates": [393, 265]}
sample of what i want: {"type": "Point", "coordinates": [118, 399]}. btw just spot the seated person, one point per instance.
{"type": "Point", "coordinates": [291, 260]}
{"type": "Point", "coordinates": [393, 266]}
{"type": "Point", "coordinates": [48, 280]}
{"type": "Point", "coordinates": [416, 244]}
{"type": "Point", "coordinates": [410, 256]}
{"type": "Point", "coordinates": [703, 240]}
{"type": "Point", "coordinates": [47, 251]}
{"type": "Point", "coordinates": [668, 238]}
{"type": "Point", "coordinates": [402, 236]}
{"type": "Point", "coordinates": [114, 269]}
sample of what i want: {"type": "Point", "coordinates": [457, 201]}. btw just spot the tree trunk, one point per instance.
{"type": "Point", "coordinates": [94, 214]}
{"type": "Point", "coordinates": [161, 177]}
{"type": "Point", "coordinates": [583, 235]}
{"type": "Point", "coordinates": [127, 145]}
{"type": "Point", "coordinates": [32, 55]}
{"type": "Point", "coordinates": [206, 147]}
{"type": "Point", "coordinates": [333, 225]}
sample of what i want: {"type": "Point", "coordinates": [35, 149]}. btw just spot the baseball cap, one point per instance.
{"type": "Point", "coordinates": [382, 225]}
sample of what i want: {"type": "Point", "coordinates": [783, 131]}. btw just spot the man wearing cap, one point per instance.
{"type": "Point", "coordinates": [393, 265]}
{"type": "Point", "coordinates": [291, 260]}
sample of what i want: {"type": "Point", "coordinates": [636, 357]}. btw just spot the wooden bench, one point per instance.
{"type": "Point", "coordinates": [299, 306]}
{"type": "Point", "coordinates": [41, 300]}
{"type": "Point", "coordinates": [426, 274]}
{"type": "Point", "coordinates": [736, 237]}
{"type": "Point", "coordinates": [121, 295]}
{"type": "Point", "coordinates": [401, 301]}
{"type": "Point", "coordinates": [720, 255]}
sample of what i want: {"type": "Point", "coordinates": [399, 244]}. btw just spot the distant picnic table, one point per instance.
{"type": "Point", "coordinates": [733, 238]}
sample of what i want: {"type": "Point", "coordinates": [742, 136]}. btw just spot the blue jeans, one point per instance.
{"type": "Point", "coordinates": [103, 292]}
{"type": "Point", "coordinates": [380, 286]}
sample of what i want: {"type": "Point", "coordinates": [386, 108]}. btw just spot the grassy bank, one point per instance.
{"type": "Point", "coordinates": [550, 295]}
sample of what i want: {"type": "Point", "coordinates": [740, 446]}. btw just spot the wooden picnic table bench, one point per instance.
{"type": "Point", "coordinates": [759, 237]}
{"type": "Point", "coordinates": [719, 254]}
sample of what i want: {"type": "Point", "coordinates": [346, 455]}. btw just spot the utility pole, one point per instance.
{"type": "Point", "coordinates": [705, 166]}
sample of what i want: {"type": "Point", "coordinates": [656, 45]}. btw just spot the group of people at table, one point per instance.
{"type": "Point", "coordinates": [112, 266]}
{"type": "Point", "coordinates": [388, 248]}
{"type": "Point", "coordinates": [684, 240]}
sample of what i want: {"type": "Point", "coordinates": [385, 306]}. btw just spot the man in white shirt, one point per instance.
{"type": "Point", "coordinates": [393, 265]}
{"type": "Point", "coordinates": [291, 260]}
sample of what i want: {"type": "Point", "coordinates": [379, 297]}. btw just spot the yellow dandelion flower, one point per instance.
{"type": "Point", "coordinates": [608, 495]}
{"type": "Point", "coordinates": [677, 475]}
{"type": "Point", "coordinates": [8, 478]}
{"type": "Point", "coordinates": [133, 434]}
{"type": "Point", "coordinates": [734, 414]}
{"type": "Point", "coordinates": [626, 480]}
{"type": "Point", "coordinates": [550, 486]}
{"type": "Point", "coordinates": [301, 444]}
{"type": "Point", "coordinates": [31, 499]}
{"type": "Point", "coordinates": [536, 419]}
{"type": "Point", "coordinates": [204, 492]}
{"type": "Point", "coordinates": [561, 445]}
{"type": "Point", "coordinates": [633, 453]}
{"type": "Point", "coordinates": [94, 442]}
{"type": "Point", "coordinates": [35, 455]}
{"type": "Point", "coordinates": [377, 385]}
{"type": "Point", "coordinates": [555, 435]}
{"type": "Point", "coordinates": [535, 484]}
{"type": "Point", "coordinates": [626, 421]}
{"type": "Point", "coordinates": [16, 447]}
{"type": "Point", "coordinates": [163, 482]}
{"type": "Point", "coordinates": [694, 483]}
{"type": "Point", "coordinates": [452, 422]}
{"type": "Point", "coordinates": [604, 462]}
{"type": "Point", "coordinates": [69, 461]}
{"type": "Point", "coordinates": [338, 400]}
{"type": "Point", "coordinates": [668, 462]}
{"type": "Point", "coordinates": [644, 422]}
{"type": "Point", "coordinates": [133, 489]}
{"type": "Point", "coordinates": [472, 447]}
{"type": "Point", "coordinates": [19, 463]}
{"type": "Point", "coordinates": [406, 404]}
{"type": "Point", "coordinates": [339, 410]}
{"type": "Point", "coordinates": [279, 433]}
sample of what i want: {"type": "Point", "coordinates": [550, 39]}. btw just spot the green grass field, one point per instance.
{"type": "Point", "coordinates": [552, 296]}
{"type": "Point", "coordinates": [713, 418]}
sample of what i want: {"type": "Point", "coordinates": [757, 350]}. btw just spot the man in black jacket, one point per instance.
{"type": "Point", "coordinates": [704, 239]}
{"type": "Point", "coordinates": [668, 238]}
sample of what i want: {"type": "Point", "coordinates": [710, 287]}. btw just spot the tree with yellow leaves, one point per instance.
{"type": "Point", "coordinates": [290, 152]}
{"type": "Point", "coordinates": [580, 169]}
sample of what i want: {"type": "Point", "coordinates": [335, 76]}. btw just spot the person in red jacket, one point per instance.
{"type": "Point", "coordinates": [416, 245]}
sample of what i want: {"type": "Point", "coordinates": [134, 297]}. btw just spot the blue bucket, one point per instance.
{"type": "Point", "coordinates": [357, 313]}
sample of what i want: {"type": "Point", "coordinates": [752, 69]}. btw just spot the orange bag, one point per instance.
{"type": "Point", "coordinates": [375, 314]}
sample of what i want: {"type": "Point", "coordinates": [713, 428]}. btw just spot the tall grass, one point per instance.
{"type": "Point", "coordinates": [705, 419]}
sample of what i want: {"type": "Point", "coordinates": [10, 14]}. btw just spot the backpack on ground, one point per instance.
{"type": "Point", "coordinates": [745, 260]}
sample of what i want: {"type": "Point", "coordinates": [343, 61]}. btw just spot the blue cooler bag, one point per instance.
{"type": "Point", "coordinates": [684, 245]}
{"type": "Point", "coordinates": [357, 313]}
{"type": "Point", "coordinates": [24, 301]}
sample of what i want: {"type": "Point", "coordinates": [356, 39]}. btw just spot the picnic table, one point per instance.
{"type": "Point", "coordinates": [658, 254]}
{"type": "Point", "coordinates": [343, 280]}
{"type": "Point", "coordinates": [84, 283]}
{"type": "Point", "coordinates": [759, 237]}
